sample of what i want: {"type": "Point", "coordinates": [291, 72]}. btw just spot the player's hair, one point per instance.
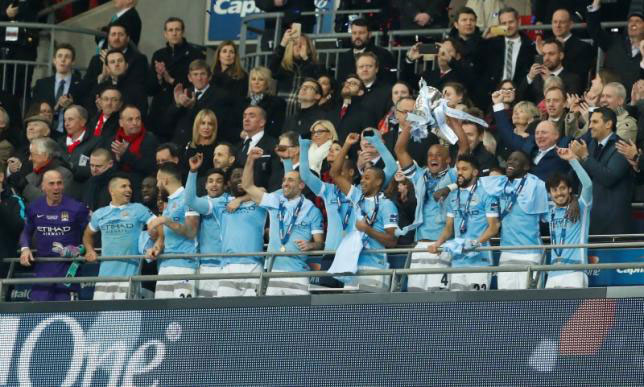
{"type": "Point", "coordinates": [171, 169]}
{"type": "Point", "coordinates": [117, 176]}
{"type": "Point", "coordinates": [557, 178]}
{"type": "Point", "coordinates": [379, 174]}
{"type": "Point", "coordinates": [217, 171]}
{"type": "Point", "coordinates": [466, 158]}
{"type": "Point", "coordinates": [230, 170]}
{"type": "Point", "coordinates": [102, 152]}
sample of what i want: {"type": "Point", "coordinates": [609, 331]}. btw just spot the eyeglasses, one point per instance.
{"type": "Point", "coordinates": [319, 131]}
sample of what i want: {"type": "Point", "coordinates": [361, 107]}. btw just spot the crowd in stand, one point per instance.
{"type": "Point", "coordinates": [178, 155]}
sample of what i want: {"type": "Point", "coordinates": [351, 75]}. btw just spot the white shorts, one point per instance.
{"type": "Point", "coordinates": [175, 288]}
{"type": "Point", "coordinates": [287, 286]}
{"type": "Point", "coordinates": [469, 281]}
{"type": "Point", "coordinates": [423, 260]}
{"type": "Point", "coordinates": [515, 280]}
{"type": "Point", "coordinates": [208, 287]}
{"type": "Point", "coordinates": [111, 290]}
{"type": "Point", "coordinates": [239, 287]}
{"type": "Point", "coordinates": [577, 279]}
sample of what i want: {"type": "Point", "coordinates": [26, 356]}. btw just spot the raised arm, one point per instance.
{"type": "Point", "coordinates": [404, 158]}
{"type": "Point", "coordinates": [582, 175]}
{"type": "Point", "coordinates": [457, 126]}
{"type": "Point", "coordinates": [343, 183]}
{"type": "Point", "coordinates": [248, 184]}
{"type": "Point", "coordinates": [201, 205]}
{"type": "Point", "coordinates": [391, 167]}
{"type": "Point", "coordinates": [504, 126]}
{"type": "Point", "coordinates": [311, 181]}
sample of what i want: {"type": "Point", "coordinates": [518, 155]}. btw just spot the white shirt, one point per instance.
{"type": "Point", "coordinates": [542, 153]}
{"type": "Point", "coordinates": [515, 55]}
{"type": "Point", "coordinates": [605, 140]}
{"type": "Point", "coordinates": [254, 140]}
{"type": "Point", "coordinates": [121, 12]}
{"type": "Point", "coordinates": [202, 91]}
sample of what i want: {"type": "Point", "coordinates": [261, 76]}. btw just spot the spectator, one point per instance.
{"type": "Point", "coordinates": [555, 101]}
{"type": "Point", "coordinates": [254, 122]}
{"type": "Point", "coordinates": [227, 72]}
{"type": "Point", "coordinates": [525, 117]}
{"type": "Point", "coordinates": [180, 116]}
{"type": "Point", "coordinates": [127, 15]}
{"type": "Point", "coordinates": [360, 43]}
{"type": "Point", "coordinates": [310, 110]}
{"type": "Point", "coordinates": [37, 126]}
{"type": "Point", "coordinates": [180, 228]}
{"type": "Point", "coordinates": [292, 14]}
{"type": "Point", "coordinates": [106, 121]}
{"type": "Point", "coordinates": [78, 144]}
{"type": "Point", "coordinates": [475, 132]}
{"type": "Point", "coordinates": [449, 66]}
{"type": "Point", "coordinates": [101, 166]}
{"type": "Point", "coordinates": [578, 55]}
{"type": "Point", "coordinates": [377, 90]}
{"type": "Point", "coordinates": [167, 153]}
{"type": "Point", "coordinates": [63, 226]}
{"type": "Point", "coordinates": [418, 14]}
{"type": "Point", "coordinates": [117, 73]}
{"type": "Point", "coordinates": [323, 135]}
{"type": "Point", "coordinates": [43, 108]}
{"type": "Point", "coordinates": [121, 225]}
{"type": "Point", "coordinates": [623, 53]}
{"type": "Point", "coordinates": [399, 90]}
{"type": "Point", "coordinates": [6, 149]}
{"type": "Point", "coordinates": [609, 171]}
{"type": "Point", "coordinates": [511, 55]}
{"type": "Point", "coordinates": [61, 89]}
{"type": "Point", "coordinates": [532, 86]}
{"type": "Point", "coordinates": [544, 10]}
{"type": "Point", "coordinates": [118, 38]}
{"type": "Point", "coordinates": [464, 30]}
{"type": "Point", "coordinates": [351, 116]}
{"type": "Point", "coordinates": [293, 60]}
{"type": "Point", "coordinates": [487, 12]}
{"type": "Point", "coordinates": [261, 92]}
{"type": "Point", "coordinates": [456, 94]}
{"type": "Point", "coordinates": [150, 193]}
{"type": "Point", "coordinates": [204, 135]}
{"type": "Point", "coordinates": [12, 213]}
{"type": "Point", "coordinates": [133, 145]}
{"type": "Point", "coordinates": [169, 67]}
{"type": "Point", "coordinates": [540, 147]}
{"type": "Point", "coordinates": [329, 92]}
{"type": "Point", "coordinates": [224, 156]}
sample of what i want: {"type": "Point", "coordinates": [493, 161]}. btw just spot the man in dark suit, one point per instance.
{"type": "Point", "coordinates": [169, 67]}
{"type": "Point", "coordinates": [309, 111]}
{"type": "Point", "coordinates": [349, 116]}
{"type": "Point", "coordinates": [579, 56]}
{"type": "Point", "coordinates": [254, 121]}
{"type": "Point", "coordinates": [61, 89]}
{"type": "Point", "coordinates": [509, 56]}
{"type": "Point", "coordinates": [179, 118]}
{"type": "Point", "coordinates": [377, 96]}
{"type": "Point", "coordinates": [127, 15]}
{"type": "Point", "coordinates": [531, 87]}
{"type": "Point", "coordinates": [610, 172]}
{"type": "Point", "coordinates": [417, 150]}
{"type": "Point", "coordinates": [361, 42]}
{"type": "Point", "coordinates": [117, 38]}
{"type": "Point", "coordinates": [541, 147]}
{"type": "Point", "coordinates": [106, 121]}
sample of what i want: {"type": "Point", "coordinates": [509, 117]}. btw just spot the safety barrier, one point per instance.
{"type": "Point", "coordinates": [396, 275]}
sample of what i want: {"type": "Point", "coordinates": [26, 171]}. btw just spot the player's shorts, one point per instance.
{"type": "Point", "coordinates": [515, 280]}
{"type": "Point", "coordinates": [239, 287]}
{"type": "Point", "coordinates": [287, 286]}
{"type": "Point", "coordinates": [175, 288]}
{"type": "Point", "coordinates": [208, 287]}
{"type": "Point", "coordinates": [112, 290]}
{"type": "Point", "coordinates": [424, 260]}
{"type": "Point", "coordinates": [577, 279]}
{"type": "Point", "coordinates": [469, 281]}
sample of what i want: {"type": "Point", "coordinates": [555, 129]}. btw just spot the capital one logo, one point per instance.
{"type": "Point", "coordinates": [109, 345]}
{"type": "Point", "coordinates": [232, 7]}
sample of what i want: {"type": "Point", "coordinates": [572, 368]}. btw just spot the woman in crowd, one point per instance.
{"type": "Point", "coordinates": [293, 60]}
{"type": "Point", "coordinates": [261, 92]}
{"type": "Point", "coordinates": [456, 94]}
{"type": "Point", "coordinates": [204, 135]}
{"type": "Point", "coordinates": [227, 72]}
{"type": "Point", "coordinates": [399, 90]}
{"type": "Point", "coordinates": [329, 86]}
{"type": "Point", "coordinates": [323, 135]}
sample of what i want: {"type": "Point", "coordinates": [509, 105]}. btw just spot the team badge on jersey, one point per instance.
{"type": "Point", "coordinates": [64, 216]}
{"type": "Point", "coordinates": [124, 215]}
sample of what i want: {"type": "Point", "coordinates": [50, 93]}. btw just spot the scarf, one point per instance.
{"type": "Point", "coordinates": [317, 155]}
{"type": "Point", "coordinates": [99, 125]}
{"type": "Point", "coordinates": [73, 144]}
{"type": "Point", "coordinates": [134, 140]}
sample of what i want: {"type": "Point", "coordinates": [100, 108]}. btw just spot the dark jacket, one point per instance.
{"type": "Point", "coordinates": [137, 67]}
{"type": "Point", "coordinates": [462, 71]}
{"type": "Point", "coordinates": [302, 121]}
{"type": "Point", "coordinates": [437, 9]}
{"type": "Point", "coordinates": [612, 188]}
{"type": "Point", "coordinates": [548, 164]}
{"type": "Point", "coordinates": [265, 167]}
{"type": "Point", "coordinates": [78, 161]}
{"type": "Point", "coordinates": [534, 91]}
{"type": "Point", "coordinates": [235, 87]}
{"type": "Point", "coordinates": [275, 108]}
{"type": "Point", "coordinates": [292, 13]}
{"type": "Point", "coordinates": [579, 57]}
{"type": "Point", "coordinates": [139, 167]}
{"type": "Point", "coordinates": [110, 126]}
{"type": "Point", "coordinates": [45, 89]}
{"type": "Point", "coordinates": [132, 22]}
{"type": "Point", "coordinates": [377, 99]}
{"type": "Point", "coordinates": [132, 93]}
{"type": "Point", "coordinates": [12, 213]}
{"type": "Point", "coordinates": [354, 120]}
{"type": "Point", "coordinates": [386, 63]}
{"type": "Point", "coordinates": [495, 60]}
{"type": "Point", "coordinates": [96, 193]}
{"type": "Point", "coordinates": [417, 150]}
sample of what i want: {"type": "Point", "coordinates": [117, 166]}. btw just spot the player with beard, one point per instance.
{"type": "Point", "coordinates": [431, 209]}
{"type": "Point", "coordinates": [472, 218]}
{"type": "Point", "coordinates": [523, 200]}
{"type": "Point", "coordinates": [236, 226]}
{"type": "Point", "coordinates": [120, 224]}
{"type": "Point", "coordinates": [564, 229]}
{"type": "Point", "coordinates": [376, 217]}
{"type": "Point", "coordinates": [295, 225]}
{"type": "Point", "coordinates": [180, 227]}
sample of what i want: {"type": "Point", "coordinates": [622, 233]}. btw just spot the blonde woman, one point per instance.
{"type": "Point", "coordinates": [227, 72]}
{"type": "Point", "coordinates": [261, 92]}
{"type": "Point", "coordinates": [323, 134]}
{"type": "Point", "coordinates": [294, 59]}
{"type": "Point", "coordinates": [204, 135]}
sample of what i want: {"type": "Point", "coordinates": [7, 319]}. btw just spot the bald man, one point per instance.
{"type": "Point", "coordinates": [51, 221]}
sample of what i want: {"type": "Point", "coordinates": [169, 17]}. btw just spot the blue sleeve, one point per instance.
{"type": "Point", "coordinates": [201, 205]}
{"type": "Point", "coordinates": [311, 181]}
{"type": "Point", "coordinates": [288, 165]}
{"type": "Point", "coordinates": [390, 215]}
{"type": "Point", "coordinates": [270, 201]}
{"type": "Point", "coordinates": [586, 183]}
{"type": "Point", "coordinates": [316, 221]}
{"type": "Point", "coordinates": [93, 221]}
{"type": "Point", "coordinates": [144, 213]}
{"type": "Point", "coordinates": [391, 167]}
{"type": "Point", "coordinates": [491, 206]}
{"type": "Point", "coordinates": [509, 138]}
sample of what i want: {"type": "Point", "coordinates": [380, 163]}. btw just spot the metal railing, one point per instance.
{"type": "Point", "coordinates": [396, 275]}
